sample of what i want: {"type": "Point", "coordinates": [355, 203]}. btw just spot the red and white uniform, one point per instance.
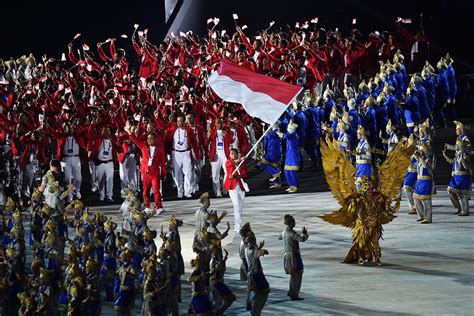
{"type": "Point", "coordinates": [127, 159]}
{"type": "Point", "coordinates": [183, 151]}
{"type": "Point", "coordinates": [103, 155]}
{"type": "Point", "coordinates": [152, 168]}
{"type": "Point", "coordinates": [236, 190]}
{"type": "Point", "coordinates": [219, 147]}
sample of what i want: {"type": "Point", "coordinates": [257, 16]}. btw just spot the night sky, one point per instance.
{"type": "Point", "coordinates": [47, 28]}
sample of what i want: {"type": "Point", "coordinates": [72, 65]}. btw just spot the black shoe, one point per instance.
{"type": "Point", "coordinates": [296, 298]}
{"type": "Point", "coordinates": [464, 214]}
{"type": "Point", "coordinates": [457, 212]}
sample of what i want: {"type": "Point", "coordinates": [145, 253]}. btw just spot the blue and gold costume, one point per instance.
{"type": "Point", "coordinates": [459, 187]}
{"type": "Point", "coordinates": [424, 187]}
{"type": "Point", "coordinates": [292, 158]}
{"type": "Point", "coordinates": [272, 158]}
{"type": "Point", "coordinates": [412, 110]}
{"type": "Point", "coordinates": [363, 157]}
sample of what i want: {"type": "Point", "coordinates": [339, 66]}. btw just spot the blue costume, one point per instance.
{"type": "Point", "coordinates": [412, 112]}
{"type": "Point", "coordinates": [425, 111]}
{"type": "Point", "coordinates": [352, 130]}
{"type": "Point", "coordinates": [109, 266]}
{"type": "Point", "coordinates": [450, 110]}
{"type": "Point", "coordinates": [292, 160]}
{"type": "Point", "coordinates": [382, 119]}
{"type": "Point", "coordinates": [460, 175]}
{"type": "Point", "coordinates": [126, 295]}
{"type": "Point", "coordinates": [328, 105]}
{"type": "Point", "coordinates": [344, 141]}
{"type": "Point", "coordinates": [313, 133]}
{"type": "Point", "coordinates": [369, 122]}
{"type": "Point", "coordinates": [423, 190]}
{"type": "Point", "coordinates": [363, 160]}
{"type": "Point", "coordinates": [430, 86]}
{"type": "Point", "coordinates": [460, 185]}
{"type": "Point", "coordinates": [424, 182]}
{"type": "Point", "coordinates": [410, 177]}
{"type": "Point", "coordinates": [272, 158]}
{"type": "Point", "coordinates": [442, 96]}
{"type": "Point", "coordinates": [200, 302]}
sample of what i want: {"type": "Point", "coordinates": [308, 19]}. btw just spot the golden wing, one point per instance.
{"type": "Point", "coordinates": [392, 172]}
{"type": "Point", "coordinates": [338, 170]}
{"type": "Point", "coordinates": [345, 216]}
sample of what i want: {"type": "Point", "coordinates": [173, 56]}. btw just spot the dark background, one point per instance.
{"type": "Point", "coordinates": [48, 27]}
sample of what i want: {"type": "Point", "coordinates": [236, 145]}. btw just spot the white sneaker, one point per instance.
{"type": "Point", "coordinates": [219, 195]}
{"type": "Point", "coordinates": [78, 195]}
{"type": "Point", "coordinates": [160, 211]}
{"type": "Point", "coordinates": [188, 196]}
{"type": "Point", "coordinates": [94, 189]}
{"type": "Point", "coordinates": [180, 195]}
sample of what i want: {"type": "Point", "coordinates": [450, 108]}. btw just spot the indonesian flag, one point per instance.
{"type": "Point", "coordinates": [261, 96]}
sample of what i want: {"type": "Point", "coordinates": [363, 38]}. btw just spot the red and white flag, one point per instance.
{"type": "Point", "coordinates": [261, 96]}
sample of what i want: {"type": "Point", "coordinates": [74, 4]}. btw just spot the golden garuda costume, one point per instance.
{"type": "Point", "coordinates": [373, 205]}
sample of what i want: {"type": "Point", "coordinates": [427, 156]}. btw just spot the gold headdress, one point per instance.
{"type": "Point", "coordinates": [370, 101]}
{"type": "Point", "coordinates": [109, 225]}
{"type": "Point", "coordinates": [333, 115]}
{"type": "Point", "coordinates": [346, 118]}
{"type": "Point", "coordinates": [363, 86]}
{"type": "Point", "coordinates": [174, 222]}
{"type": "Point", "coordinates": [459, 125]}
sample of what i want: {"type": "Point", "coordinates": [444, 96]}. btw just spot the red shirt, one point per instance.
{"type": "Point", "coordinates": [231, 183]}
{"type": "Point", "coordinates": [158, 159]}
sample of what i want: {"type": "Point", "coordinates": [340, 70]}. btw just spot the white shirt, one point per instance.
{"type": "Point", "coordinates": [235, 140]}
{"type": "Point", "coordinates": [220, 142]}
{"type": "Point", "coordinates": [71, 148]}
{"type": "Point", "coordinates": [105, 150]}
{"type": "Point", "coordinates": [152, 154]}
{"type": "Point", "coordinates": [180, 139]}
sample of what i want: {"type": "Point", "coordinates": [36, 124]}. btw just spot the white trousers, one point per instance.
{"type": "Point", "coordinates": [424, 209]}
{"type": "Point", "coordinates": [216, 167]}
{"type": "Point", "coordinates": [93, 172]}
{"type": "Point", "coordinates": [182, 168]}
{"type": "Point", "coordinates": [128, 174]}
{"type": "Point", "coordinates": [238, 197]}
{"type": "Point", "coordinates": [409, 195]}
{"type": "Point", "coordinates": [105, 177]}
{"type": "Point", "coordinates": [72, 173]}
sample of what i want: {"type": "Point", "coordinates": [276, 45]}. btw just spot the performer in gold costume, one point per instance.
{"type": "Point", "coordinates": [372, 205]}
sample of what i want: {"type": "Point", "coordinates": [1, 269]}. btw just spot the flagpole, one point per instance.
{"type": "Point", "coordinates": [265, 133]}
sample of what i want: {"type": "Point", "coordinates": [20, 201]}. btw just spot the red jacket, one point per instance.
{"type": "Point", "coordinates": [148, 66]}
{"type": "Point", "coordinates": [213, 143]}
{"type": "Point", "coordinates": [231, 183]}
{"type": "Point", "coordinates": [97, 143]}
{"type": "Point", "coordinates": [124, 148]}
{"type": "Point", "coordinates": [192, 145]}
{"type": "Point", "coordinates": [201, 140]}
{"type": "Point", "coordinates": [242, 138]}
{"type": "Point", "coordinates": [158, 159]}
{"type": "Point", "coordinates": [61, 140]}
{"type": "Point", "coordinates": [39, 150]}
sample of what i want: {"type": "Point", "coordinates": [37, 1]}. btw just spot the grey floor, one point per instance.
{"type": "Point", "coordinates": [427, 269]}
